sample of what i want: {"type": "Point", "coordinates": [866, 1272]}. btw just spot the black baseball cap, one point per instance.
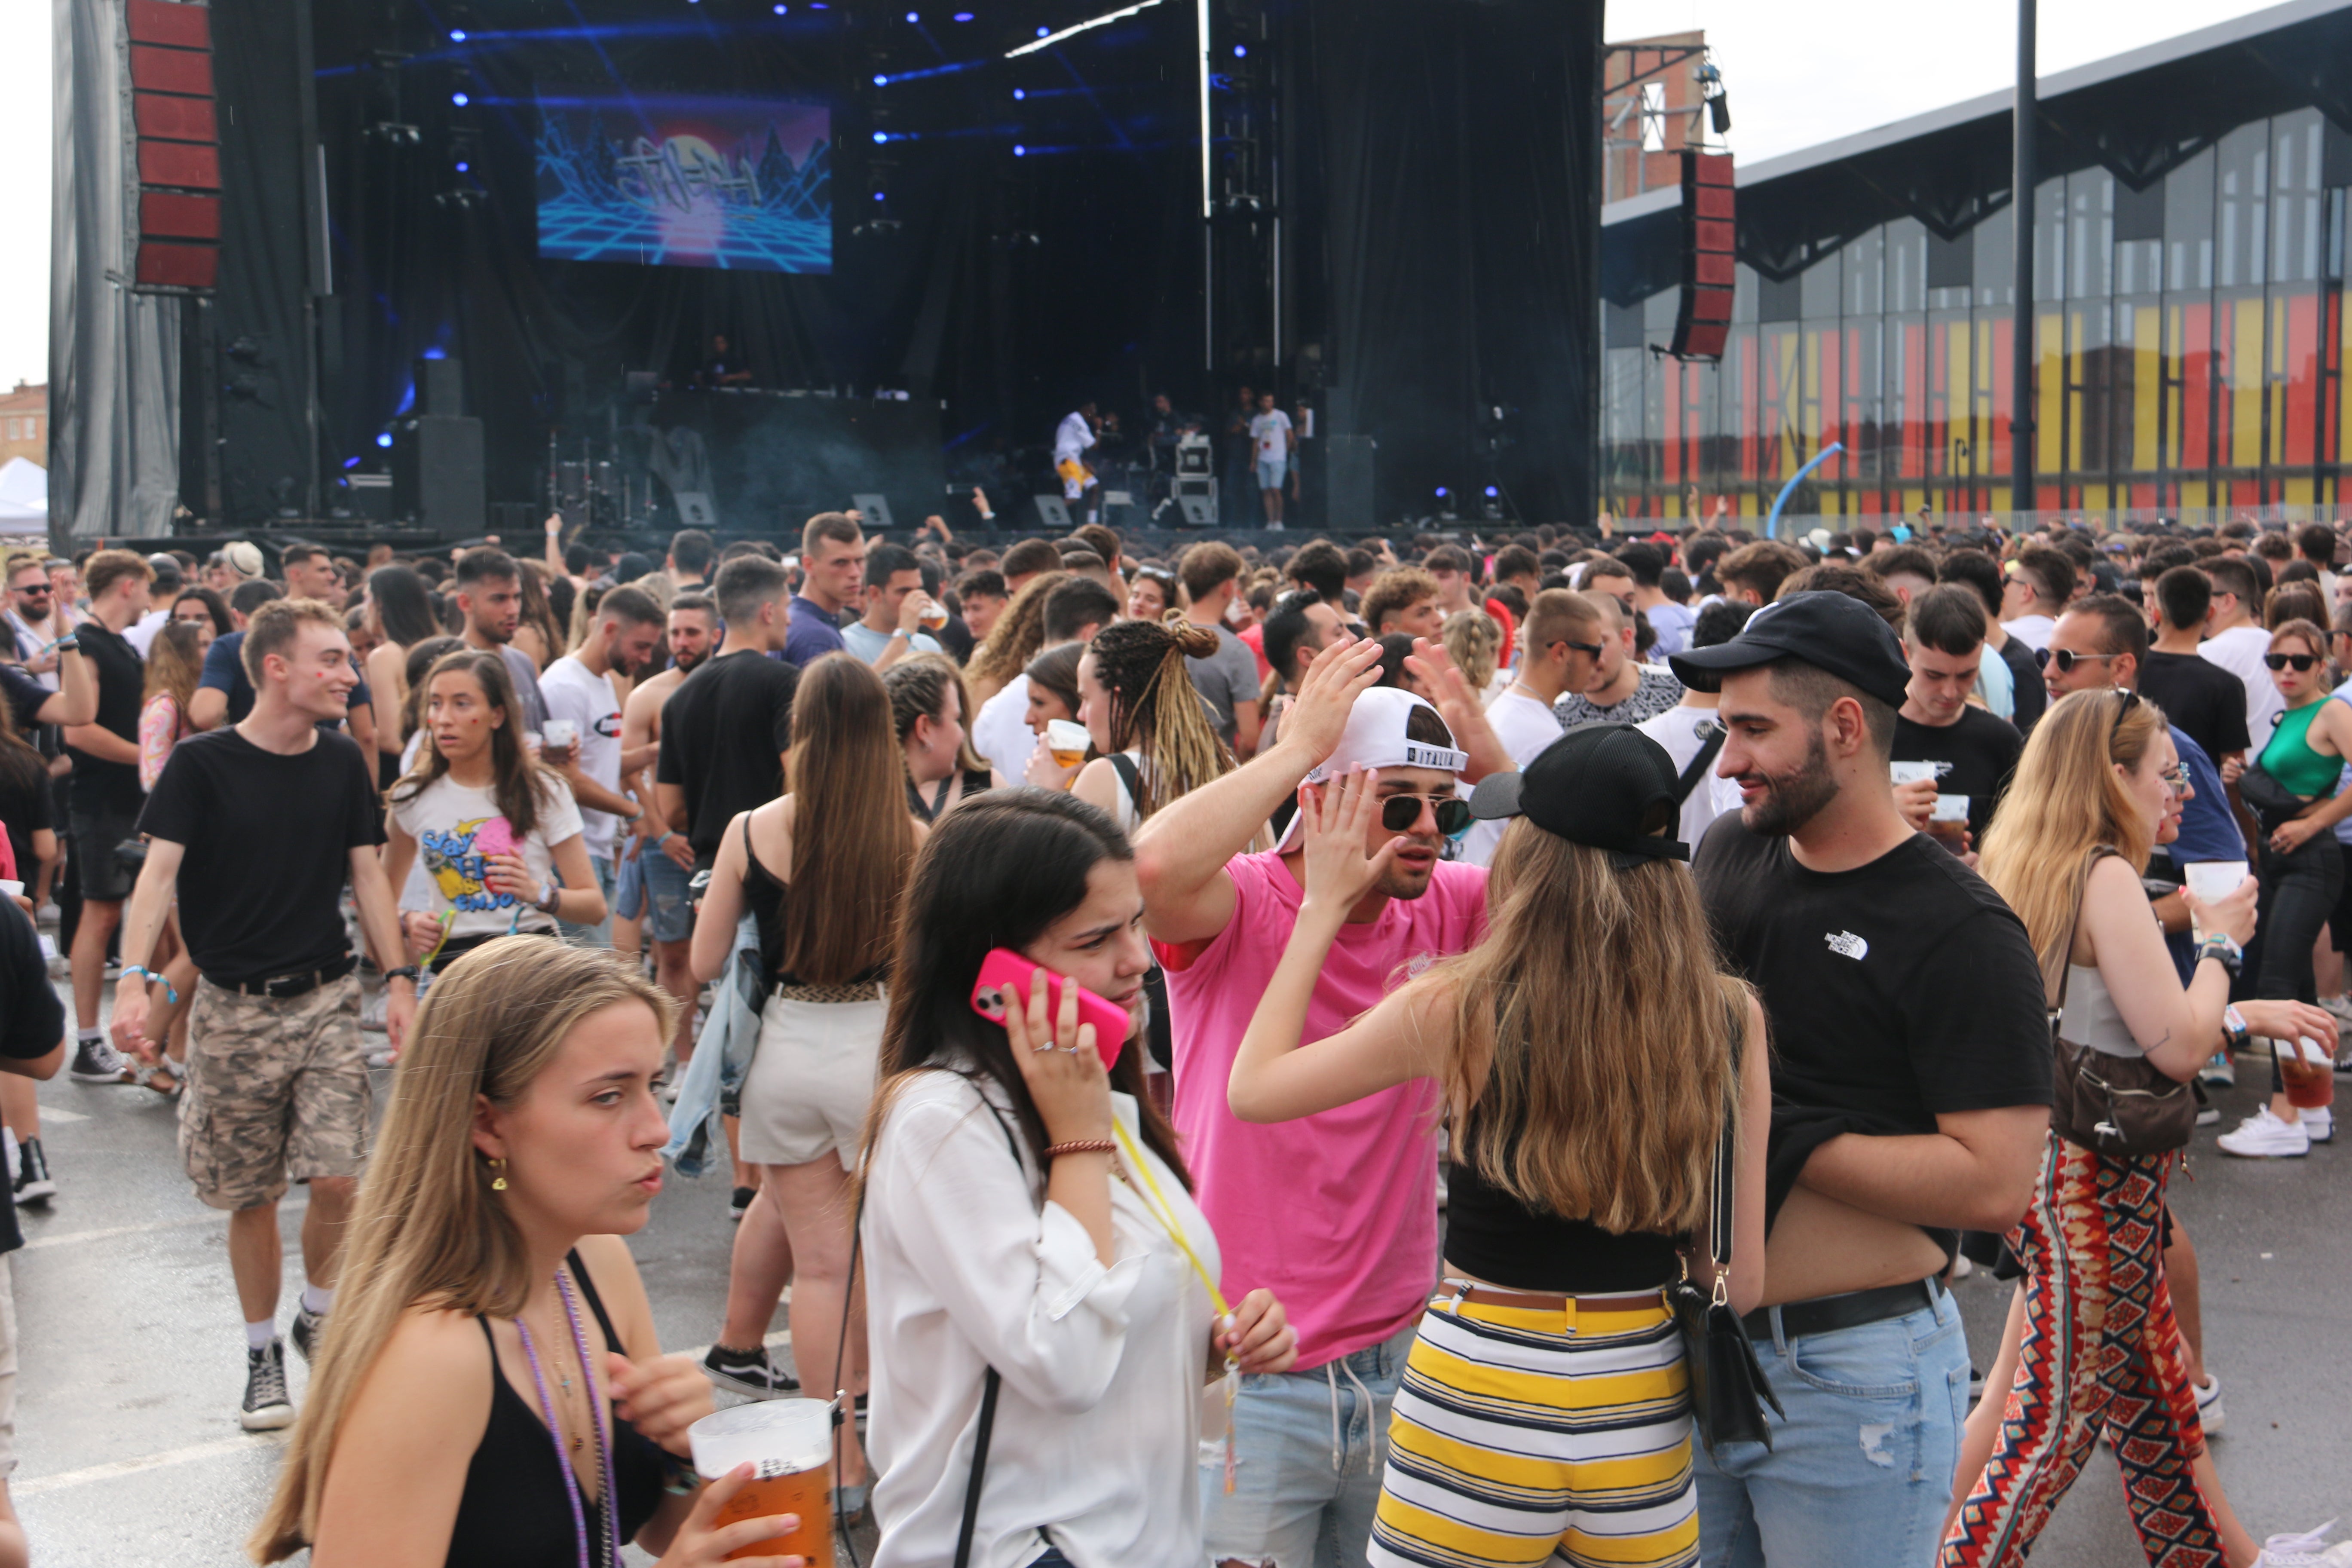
{"type": "Point", "coordinates": [1828, 630]}
{"type": "Point", "coordinates": [1595, 785]}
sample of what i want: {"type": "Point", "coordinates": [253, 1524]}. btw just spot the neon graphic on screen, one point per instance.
{"type": "Point", "coordinates": [738, 184]}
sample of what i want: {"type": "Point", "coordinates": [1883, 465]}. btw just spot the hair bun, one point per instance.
{"type": "Point", "coordinates": [1194, 641]}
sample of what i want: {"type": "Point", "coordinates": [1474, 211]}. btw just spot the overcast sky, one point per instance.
{"type": "Point", "coordinates": [1798, 74]}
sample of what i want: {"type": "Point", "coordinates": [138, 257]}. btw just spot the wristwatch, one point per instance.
{"type": "Point", "coordinates": [2219, 946]}
{"type": "Point", "coordinates": [70, 643]}
{"type": "Point", "coordinates": [547, 900]}
{"type": "Point", "coordinates": [407, 972]}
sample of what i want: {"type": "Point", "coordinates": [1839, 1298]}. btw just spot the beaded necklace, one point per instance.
{"type": "Point", "coordinates": [554, 1433]}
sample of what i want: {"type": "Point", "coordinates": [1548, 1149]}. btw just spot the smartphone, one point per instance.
{"type": "Point", "coordinates": [1004, 980]}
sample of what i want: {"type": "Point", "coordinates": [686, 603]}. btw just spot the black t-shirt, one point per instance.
{"type": "Point", "coordinates": [2201, 698]}
{"type": "Point", "coordinates": [122, 681]}
{"type": "Point", "coordinates": [1896, 992]}
{"type": "Point", "coordinates": [31, 1019]}
{"type": "Point", "coordinates": [1974, 757]}
{"type": "Point", "coordinates": [2031, 695]}
{"type": "Point", "coordinates": [724, 733]}
{"type": "Point", "coordinates": [26, 806]}
{"type": "Point", "coordinates": [25, 696]}
{"type": "Point", "coordinates": [268, 841]}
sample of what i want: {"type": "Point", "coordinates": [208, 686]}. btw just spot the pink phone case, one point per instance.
{"type": "Point", "coordinates": [1006, 974]}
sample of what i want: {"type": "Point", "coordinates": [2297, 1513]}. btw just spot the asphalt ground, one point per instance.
{"type": "Point", "coordinates": [132, 1363]}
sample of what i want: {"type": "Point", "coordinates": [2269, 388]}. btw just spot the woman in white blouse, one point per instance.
{"type": "Point", "coordinates": [1011, 1190]}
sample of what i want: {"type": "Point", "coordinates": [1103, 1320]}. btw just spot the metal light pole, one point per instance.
{"type": "Point", "coordinates": [2022, 179]}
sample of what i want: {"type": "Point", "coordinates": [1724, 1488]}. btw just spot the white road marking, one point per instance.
{"type": "Point", "coordinates": [55, 1113]}
{"type": "Point", "coordinates": [35, 1243]}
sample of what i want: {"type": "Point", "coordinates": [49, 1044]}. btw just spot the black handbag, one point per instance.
{"type": "Point", "coordinates": [2271, 802]}
{"type": "Point", "coordinates": [1727, 1386]}
{"type": "Point", "coordinates": [2111, 1104]}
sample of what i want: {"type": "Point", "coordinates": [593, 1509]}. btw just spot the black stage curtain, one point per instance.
{"type": "Point", "coordinates": [1460, 148]}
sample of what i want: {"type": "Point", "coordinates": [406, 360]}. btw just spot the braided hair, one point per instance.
{"type": "Point", "coordinates": [1154, 709]}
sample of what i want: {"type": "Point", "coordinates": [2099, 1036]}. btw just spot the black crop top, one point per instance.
{"type": "Point", "coordinates": [764, 895]}
{"type": "Point", "coordinates": [1493, 1236]}
{"type": "Point", "coordinates": [515, 1511]}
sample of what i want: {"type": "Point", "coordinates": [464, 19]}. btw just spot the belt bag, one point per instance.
{"type": "Point", "coordinates": [2271, 802]}
{"type": "Point", "coordinates": [1727, 1386]}
{"type": "Point", "coordinates": [2111, 1104]}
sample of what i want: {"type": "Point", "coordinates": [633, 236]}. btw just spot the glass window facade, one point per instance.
{"type": "Point", "coordinates": [2188, 341]}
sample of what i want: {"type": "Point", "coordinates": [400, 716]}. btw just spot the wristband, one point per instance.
{"type": "Point", "coordinates": [70, 643]}
{"type": "Point", "coordinates": [2220, 948]}
{"type": "Point", "coordinates": [666, 837]}
{"type": "Point", "coordinates": [2235, 1027]}
{"type": "Point", "coordinates": [679, 1478]}
{"type": "Point", "coordinates": [405, 972]}
{"type": "Point", "coordinates": [1083, 1146]}
{"type": "Point", "coordinates": [548, 900]}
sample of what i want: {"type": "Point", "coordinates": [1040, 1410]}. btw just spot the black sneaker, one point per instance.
{"type": "Point", "coordinates": [95, 1061]}
{"type": "Point", "coordinates": [267, 1405]}
{"type": "Point", "coordinates": [747, 1372]}
{"type": "Point", "coordinates": [33, 1184]}
{"type": "Point", "coordinates": [308, 1326]}
{"type": "Point", "coordinates": [738, 1201]}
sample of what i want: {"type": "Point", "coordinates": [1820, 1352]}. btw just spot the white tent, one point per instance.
{"type": "Point", "coordinates": [24, 491]}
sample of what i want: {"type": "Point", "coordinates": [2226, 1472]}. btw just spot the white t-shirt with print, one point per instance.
{"type": "Point", "coordinates": [450, 821]}
{"type": "Point", "coordinates": [1272, 429]}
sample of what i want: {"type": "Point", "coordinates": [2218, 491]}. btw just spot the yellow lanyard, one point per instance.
{"type": "Point", "coordinates": [1156, 1204]}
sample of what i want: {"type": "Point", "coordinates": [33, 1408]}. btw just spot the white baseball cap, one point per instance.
{"type": "Point", "coordinates": [1375, 737]}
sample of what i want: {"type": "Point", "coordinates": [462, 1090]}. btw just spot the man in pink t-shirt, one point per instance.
{"type": "Point", "coordinates": [1336, 1213]}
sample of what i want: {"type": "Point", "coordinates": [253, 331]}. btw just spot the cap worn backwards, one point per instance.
{"type": "Point", "coordinates": [1598, 785]}
{"type": "Point", "coordinates": [1375, 738]}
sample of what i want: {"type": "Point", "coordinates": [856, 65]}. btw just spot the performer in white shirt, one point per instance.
{"type": "Point", "coordinates": [1071, 441]}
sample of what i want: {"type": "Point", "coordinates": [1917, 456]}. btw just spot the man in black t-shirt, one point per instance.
{"type": "Point", "coordinates": [1911, 1080]}
{"type": "Point", "coordinates": [1972, 753]}
{"type": "Point", "coordinates": [724, 731]}
{"type": "Point", "coordinates": [255, 828]}
{"type": "Point", "coordinates": [2203, 700]}
{"type": "Point", "coordinates": [33, 1046]}
{"type": "Point", "coordinates": [105, 793]}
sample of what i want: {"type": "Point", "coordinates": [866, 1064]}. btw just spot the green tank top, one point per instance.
{"type": "Point", "coordinates": [2290, 759]}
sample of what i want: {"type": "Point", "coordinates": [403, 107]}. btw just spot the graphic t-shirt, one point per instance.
{"type": "Point", "coordinates": [1334, 1213]}
{"type": "Point", "coordinates": [1896, 992]}
{"type": "Point", "coordinates": [576, 692]}
{"type": "Point", "coordinates": [1271, 431]}
{"type": "Point", "coordinates": [457, 829]}
{"type": "Point", "coordinates": [1658, 691]}
{"type": "Point", "coordinates": [1973, 757]}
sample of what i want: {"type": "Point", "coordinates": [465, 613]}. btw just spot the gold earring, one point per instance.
{"type": "Point", "coordinates": [498, 1175]}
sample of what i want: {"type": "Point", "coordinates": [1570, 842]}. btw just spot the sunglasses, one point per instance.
{"type": "Point", "coordinates": [2067, 659]}
{"type": "Point", "coordinates": [2301, 661]}
{"type": "Point", "coordinates": [33, 590]}
{"type": "Point", "coordinates": [1400, 812]}
{"type": "Point", "coordinates": [1593, 648]}
{"type": "Point", "coordinates": [2130, 700]}
{"type": "Point", "coordinates": [2176, 780]}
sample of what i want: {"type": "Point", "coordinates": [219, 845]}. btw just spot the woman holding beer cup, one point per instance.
{"type": "Point", "coordinates": [1031, 1245]}
{"type": "Point", "coordinates": [490, 1389]}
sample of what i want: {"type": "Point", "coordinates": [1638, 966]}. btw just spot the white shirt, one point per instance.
{"type": "Point", "coordinates": [1098, 1419]}
{"type": "Point", "coordinates": [1678, 730]}
{"type": "Point", "coordinates": [31, 640]}
{"type": "Point", "coordinates": [576, 692]}
{"type": "Point", "coordinates": [1001, 732]}
{"type": "Point", "coordinates": [1073, 436]}
{"type": "Point", "coordinates": [1272, 430]}
{"type": "Point", "coordinates": [2033, 631]}
{"type": "Point", "coordinates": [2239, 651]}
{"type": "Point", "coordinates": [141, 632]}
{"type": "Point", "coordinates": [1526, 727]}
{"type": "Point", "coordinates": [447, 820]}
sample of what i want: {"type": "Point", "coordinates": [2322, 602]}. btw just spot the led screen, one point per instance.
{"type": "Point", "coordinates": [673, 180]}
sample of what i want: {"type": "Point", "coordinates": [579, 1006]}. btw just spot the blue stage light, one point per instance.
{"type": "Point", "coordinates": [880, 137]}
{"type": "Point", "coordinates": [880, 80]}
{"type": "Point", "coordinates": [465, 168]}
{"type": "Point", "coordinates": [457, 35]}
{"type": "Point", "coordinates": [914, 17]}
{"type": "Point", "coordinates": [1019, 150]}
{"type": "Point", "coordinates": [1441, 492]}
{"type": "Point", "coordinates": [963, 15]}
{"type": "Point", "coordinates": [350, 462]}
{"type": "Point", "coordinates": [1043, 31]}
{"type": "Point", "coordinates": [385, 439]}
{"type": "Point", "coordinates": [460, 99]}
{"type": "Point", "coordinates": [1241, 51]}
{"type": "Point", "coordinates": [1492, 491]}
{"type": "Point", "coordinates": [1018, 95]}
{"type": "Point", "coordinates": [780, 10]}
{"type": "Point", "coordinates": [881, 196]}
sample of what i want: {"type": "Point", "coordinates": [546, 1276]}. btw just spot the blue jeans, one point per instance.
{"type": "Point", "coordinates": [601, 933]}
{"type": "Point", "coordinates": [1860, 1474]}
{"type": "Point", "coordinates": [1309, 1450]}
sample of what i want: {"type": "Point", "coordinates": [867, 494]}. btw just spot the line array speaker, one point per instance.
{"type": "Point", "coordinates": [436, 473]}
{"type": "Point", "coordinates": [175, 232]}
{"type": "Point", "coordinates": [1710, 236]}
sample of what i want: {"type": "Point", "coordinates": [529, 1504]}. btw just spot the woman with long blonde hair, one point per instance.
{"type": "Point", "coordinates": [2093, 1340]}
{"type": "Point", "coordinates": [822, 871]}
{"type": "Point", "coordinates": [1014, 640]}
{"type": "Point", "coordinates": [1589, 1053]}
{"type": "Point", "coordinates": [489, 1389]}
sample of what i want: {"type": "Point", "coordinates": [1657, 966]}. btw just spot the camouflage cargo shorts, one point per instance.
{"type": "Point", "coordinates": [278, 1089]}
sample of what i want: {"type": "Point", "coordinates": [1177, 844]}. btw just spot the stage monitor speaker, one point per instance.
{"type": "Point", "coordinates": [1709, 238]}
{"type": "Point", "coordinates": [695, 510]}
{"type": "Point", "coordinates": [875, 510]}
{"type": "Point", "coordinates": [440, 386]}
{"type": "Point", "coordinates": [1199, 511]}
{"type": "Point", "coordinates": [436, 473]}
{"type": "Point", "coordinates": [1053, 513]}
{"type": "Point", "coordinates": [1348, 479]}
{"type": "Point", "coordinates": [173, 231]}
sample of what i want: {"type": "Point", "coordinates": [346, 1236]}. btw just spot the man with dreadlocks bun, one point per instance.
{"type": "Point", "coordinates": [1150, 730]}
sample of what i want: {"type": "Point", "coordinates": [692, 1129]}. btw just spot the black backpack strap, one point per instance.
{"type": "Point", "coordinates": [1129, 776]}
{"type": "Point", "coordinates": [1699, 765]}
{"type": "Point", "coordinates": [989, 1387]}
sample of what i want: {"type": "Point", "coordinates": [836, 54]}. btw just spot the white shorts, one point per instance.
{"type": "Point", "coordinates": [811, 1081]}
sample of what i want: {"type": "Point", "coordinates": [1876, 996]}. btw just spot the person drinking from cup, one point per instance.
{"type": "Point", "coordinates": [1587, 1053]}
{"type": "Point", "coordinates": [1036, 1266]}
{"type": "Point", "coordinates": [2093, 1340]}
{"type": "Point", "coordinates": [491, 1390]}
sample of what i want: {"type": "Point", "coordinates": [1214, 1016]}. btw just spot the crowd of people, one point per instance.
{"type": "Point", "coordinates": [1268, 1056]}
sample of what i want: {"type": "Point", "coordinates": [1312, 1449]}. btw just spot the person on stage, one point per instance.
{"type": "Point", "coordinates": [1075, 435]}
{"type": "Point", "coordinates": [723, 366]}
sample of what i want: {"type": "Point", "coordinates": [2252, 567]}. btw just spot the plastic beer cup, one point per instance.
{"type": "Point", "coordinates": [2307, 1072]}
{"type": "Point", "coordinates": [788, 1443]}
{"type": "Point", "coordinates": [1069, 740]}
{"type": "Point", "coordinates": [2212, 879]}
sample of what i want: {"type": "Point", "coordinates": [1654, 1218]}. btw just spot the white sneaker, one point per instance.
{"type": "Point", "coordinates": [2263, 1136]}
{"type": "Point", "coordinates": [1962, 1265]}
{"type": "Point", "coordinates": [2208, 1404]}
{"type": "Point", "coordinates": [2320, 1125]}
{"type": "Point", "coordinates": [2217, 1071]}
{"type": "Point", "coordinates": [2339, 1006]}
{"type": "Point", "coordinates": [2308, 1549]}
{"type": "Point", "coordinates": [2209, 1115]}
{"type": "Point", "coordinates": [372, 1011]}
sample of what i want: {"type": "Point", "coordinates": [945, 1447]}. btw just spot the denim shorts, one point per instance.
{"type": "Point", "coordinates": [1861, 1470]}
{"type": "Point", "coordinates": [651, 888]}
{"type": "Point", "coordinates": [1310, 1450]}
{"type": "Point", "coordinates": [1271, 473]}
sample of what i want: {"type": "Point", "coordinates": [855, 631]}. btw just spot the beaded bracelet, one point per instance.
{"type": "Point", "coordinates": [1083, 1146]}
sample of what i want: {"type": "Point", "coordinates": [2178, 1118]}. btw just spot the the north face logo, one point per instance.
{"type": "Point", "coordinates": [1848, 944]}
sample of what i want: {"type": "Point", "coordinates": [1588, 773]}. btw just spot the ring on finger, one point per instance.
{"type": "Point", "coordinates": [1048, 1046]}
